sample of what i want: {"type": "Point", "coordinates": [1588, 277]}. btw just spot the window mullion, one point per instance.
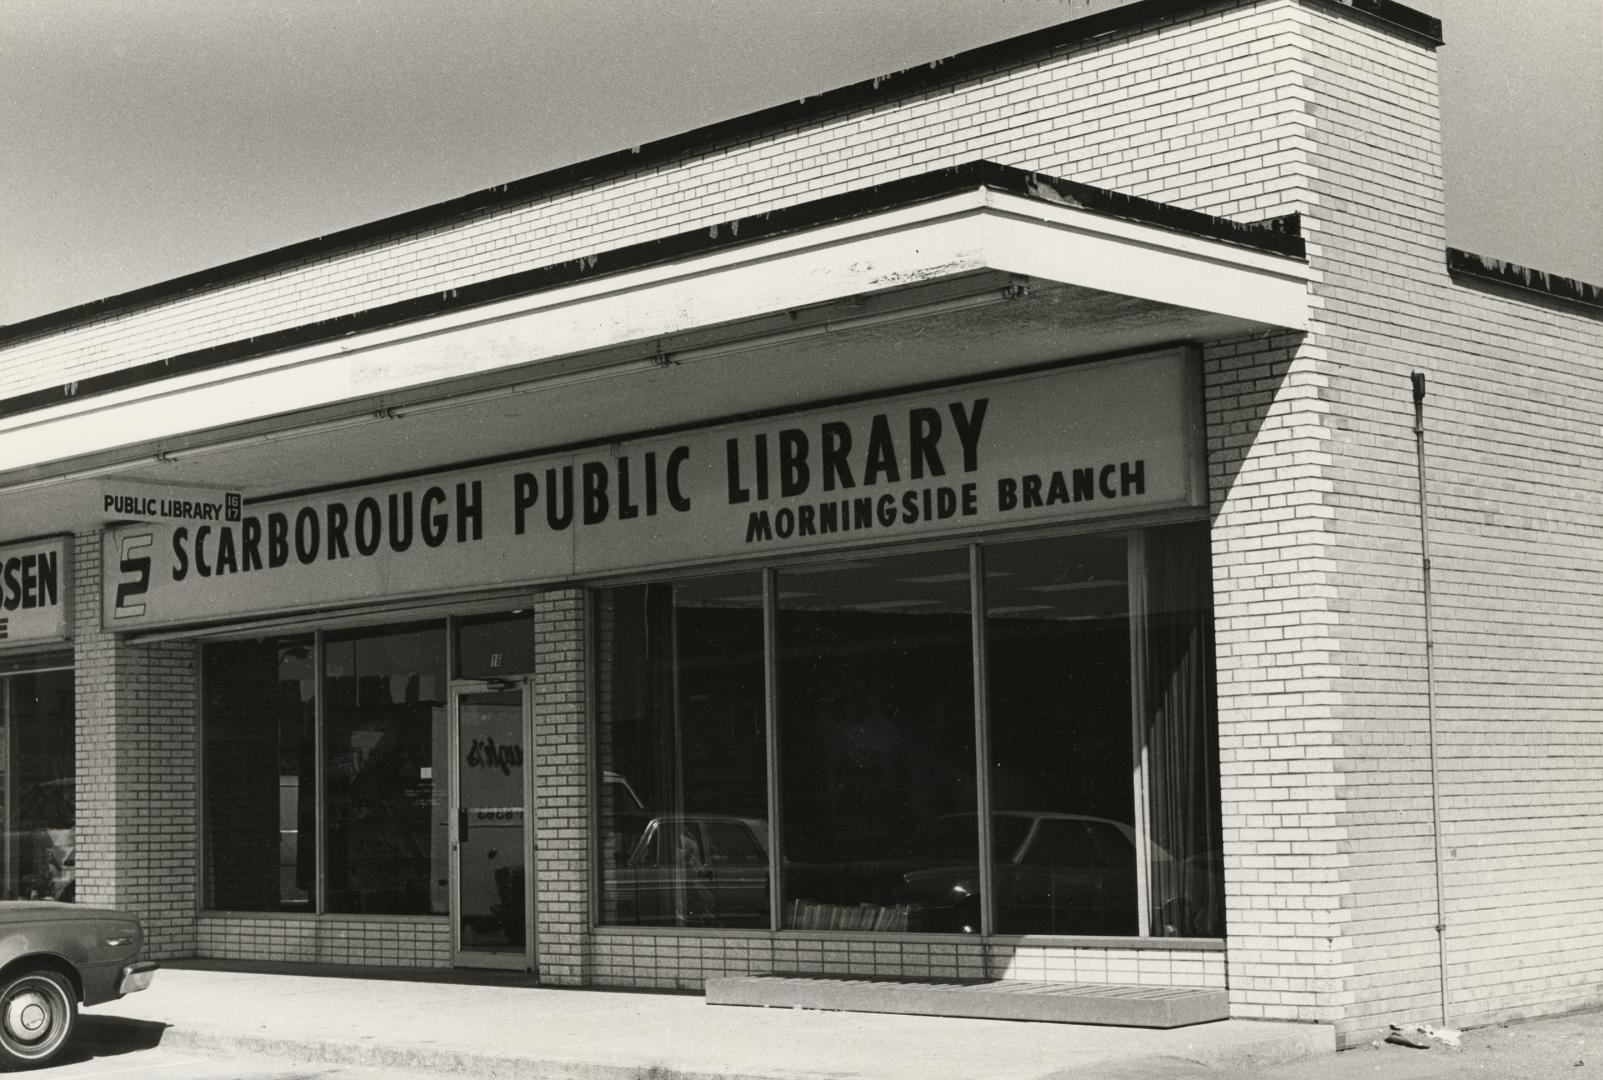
{"type": "Point", "coordinates": [982, 750]}
{"type": "Point", "coordinates": [1137, 600]}
{"type": "Point", "coordinates": [319, 772]}
{"type": "Point", "coordinates": [771, 742]}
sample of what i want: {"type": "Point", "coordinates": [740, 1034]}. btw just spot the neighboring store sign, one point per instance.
{"type": "Point", "coordinates": [122, 500]}
{"type": "Point", "coordinates": [35, 591]}
{"type": "Point", "coordinates": [1108, 438]}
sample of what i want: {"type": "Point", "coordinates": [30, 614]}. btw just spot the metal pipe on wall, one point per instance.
{"type": "Point", "coordinates": [1418, 379]}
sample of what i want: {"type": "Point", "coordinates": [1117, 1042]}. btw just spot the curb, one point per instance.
{"type": "Point", "coordinates": [1297, 1042]}
{"type": "Point", "coordinates": [434, 1062]}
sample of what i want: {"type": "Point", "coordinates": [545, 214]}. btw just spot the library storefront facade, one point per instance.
{"type": "Point", "coordinates": [956, 526]}
{"type": "Point", "coordinates": [932, 666]}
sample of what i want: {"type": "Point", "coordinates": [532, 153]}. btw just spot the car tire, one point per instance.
{"type": "Point", "coordinates": [38, 1011]}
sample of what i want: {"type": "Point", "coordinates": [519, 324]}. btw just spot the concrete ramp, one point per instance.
{"type": "Point", "coordinates": [990, 999]}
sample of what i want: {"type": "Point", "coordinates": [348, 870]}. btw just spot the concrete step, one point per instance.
{"type": "Point", "coordinates": [991, 999]}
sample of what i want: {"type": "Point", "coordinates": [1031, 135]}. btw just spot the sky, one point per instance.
{"type": "Point", "coordinates": [143, 140]}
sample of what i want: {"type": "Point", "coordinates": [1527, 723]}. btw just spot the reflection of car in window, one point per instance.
{"type": "Point", "coordinates": [693, 870]}
{"type": "Point", "coordinates": [1054, 873]}
{"type": "Point", "coordinates": [624, 817]}
{"type": "Point", "coordinates": [42, 842]}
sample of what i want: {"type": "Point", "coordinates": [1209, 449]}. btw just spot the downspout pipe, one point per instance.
{"type": "Point", "coordinates": [1418, 379]}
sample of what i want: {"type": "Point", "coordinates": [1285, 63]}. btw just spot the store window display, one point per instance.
{"type": "Point", "coordinates": [38, 848]}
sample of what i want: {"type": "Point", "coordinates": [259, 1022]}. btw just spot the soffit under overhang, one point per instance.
{"type": "Point", "coordinates": [975, 283]}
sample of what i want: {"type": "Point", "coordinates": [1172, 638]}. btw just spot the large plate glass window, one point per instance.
{"type": "Point", "coordinates": [876, 745]}
{"type": "Point", "coordinates": [1100, 802]}
{"type": "Point", "coordinates": [1180, 738]}
{"type": "Point", "coordinates": [682, 747]}
{"type": "Point", "coordinates": [1057, 631]}
{"type": "Point", "coordinates": [38, 850]}
{"type": "Point", "coordinates": [260, 775]}
{"type": "Point", "coordinates": [384, 727]}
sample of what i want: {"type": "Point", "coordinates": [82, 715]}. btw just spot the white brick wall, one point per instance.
{"type": "Point", "coordinates": [1194, 113]}
{"type": "Point", "coordinates": [420, 942]}
{"type": "Point", "coordinates": [561, 796]}
{"type": "Point", "coordinates": [1320, 604]}
{"type": "Point", "coordinates": [137, 767]}
{"type": "Point", "coordinates": [684, 960]}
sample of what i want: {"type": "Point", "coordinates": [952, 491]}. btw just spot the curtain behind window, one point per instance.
{"type": "Point", "coordinates": [1187, 874]}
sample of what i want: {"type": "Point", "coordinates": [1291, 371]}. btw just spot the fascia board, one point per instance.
{"type": "Point", "coordinates": [955, 235]}
{"type": "Point", "coordinates": [1075, 247]}
{"type": "Point", "coordinates": [599, 315]}
{"type": "Point", "coordinates": [725, 286]}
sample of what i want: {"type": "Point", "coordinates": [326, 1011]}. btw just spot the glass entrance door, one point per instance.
{"type": "Point", "coordinates": [492, 903]}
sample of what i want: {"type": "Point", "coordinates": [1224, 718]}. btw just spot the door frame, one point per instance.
{"type": "Point", "coordinates": [507, 960]}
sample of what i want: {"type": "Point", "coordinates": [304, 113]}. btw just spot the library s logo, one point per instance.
{"type": "Point", "coordinates": [134, 568]}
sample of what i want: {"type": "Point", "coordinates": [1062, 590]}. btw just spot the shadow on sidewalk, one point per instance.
{"type": "Point", "coordinates": [110, 1036]}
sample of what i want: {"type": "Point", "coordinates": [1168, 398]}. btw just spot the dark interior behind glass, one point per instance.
{"type": "Point", "coordinates": [259, 779]}
{"type": "Point", "coordinates": [1062, 789]}
{"type": "Point", "coordinates": [683, 753]}
{"type": "Point", "coordinates": [876, 740]}
{"type": "Point", "coordinates": [1180, 730]}
{"type": "Point", "coordinates": [38, 848]}
{"type": "Point", "coordinates": [384, 711]}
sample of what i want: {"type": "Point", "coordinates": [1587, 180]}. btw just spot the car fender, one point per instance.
{"type": "Point", "coordinates": [81, 944]}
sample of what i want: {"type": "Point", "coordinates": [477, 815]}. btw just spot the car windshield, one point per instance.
{"type": "Point", "coordinates": [953, 837]}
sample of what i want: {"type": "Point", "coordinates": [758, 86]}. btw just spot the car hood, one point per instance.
{"type": "Point", "coordinates": [16, 912]}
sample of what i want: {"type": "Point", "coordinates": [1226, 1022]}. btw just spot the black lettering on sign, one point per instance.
{"type": "Point", "coordinates": [134, 566]}
{"type": "Point", "coordinates": [1031, 491]}
{"type": "Point", "coordinates": [28, 581]}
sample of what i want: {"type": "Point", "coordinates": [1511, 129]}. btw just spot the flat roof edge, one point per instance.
{"type": "Point", "coordinates": [1423, 29]}
{"type": "Point", "coordinates": [622, 162]}
{"type": "Point", "coordinates": [1526, 283]}
{"type": "Point", "coordinates": [1279, 236]}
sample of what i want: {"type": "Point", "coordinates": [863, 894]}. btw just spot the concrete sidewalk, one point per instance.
{"type": "Point", "coordinates": [510, 1030]}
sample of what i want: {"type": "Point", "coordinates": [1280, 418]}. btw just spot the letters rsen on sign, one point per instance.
{"type": "Point", "coordinates": [1067, 444]}
{"type": "Point", "coordinates": [35, 591]}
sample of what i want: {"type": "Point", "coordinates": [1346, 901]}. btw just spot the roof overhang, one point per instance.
{"type": "Point", "coordinates": [972, 282]}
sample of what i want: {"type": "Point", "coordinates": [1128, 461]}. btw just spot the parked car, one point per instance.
{"type": "Point", "coordinates": [693, 870]}
{"type": "Point", "coordinates": [54, 957]}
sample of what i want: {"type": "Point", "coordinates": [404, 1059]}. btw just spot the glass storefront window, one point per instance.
{"type": "Point", "coordinates": [259, 775]}
{"type": "Point", "coordinates": [37, 786]}
{"type": "Point", "coordinates": [1057, 632]}
{"type": "Point", "coordinates": [1096, 656]}
{"type": "Point", "coordinates": [876, 741]}
{"type": "Point", "coordinates": [1180, 732]}
{"type": "Point", "coordinates": [384, 723]}
{"type": "Point", "coordinates": [682, 749]}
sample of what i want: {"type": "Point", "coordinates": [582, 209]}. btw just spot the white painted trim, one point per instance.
{"type": "Point", "coordinates": [957, 235]}
{"type": "Point", "coordinates": [1092, 251]}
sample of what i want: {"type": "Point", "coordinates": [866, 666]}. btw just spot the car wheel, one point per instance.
{"type": "Point", "coordinates": [38, 1011]}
